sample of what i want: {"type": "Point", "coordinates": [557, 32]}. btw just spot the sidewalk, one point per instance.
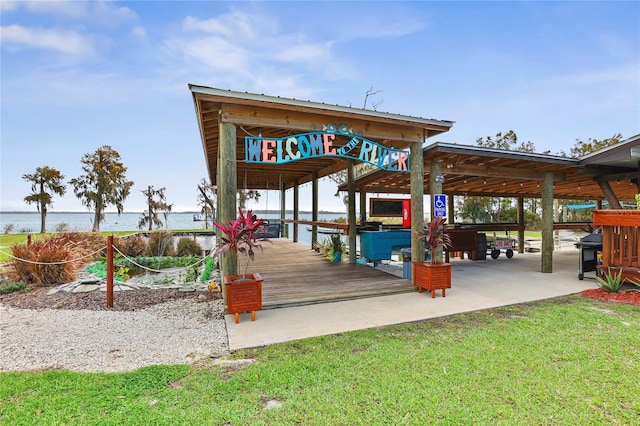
{"type": "Point", "coordinates": [475, 285]}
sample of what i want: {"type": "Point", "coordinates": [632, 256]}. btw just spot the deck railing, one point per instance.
{"type": "Point", "coordinates": [620, 241]}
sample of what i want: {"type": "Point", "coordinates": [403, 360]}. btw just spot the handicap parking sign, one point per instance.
{"type": "Point", "coordinates": [440, 205]}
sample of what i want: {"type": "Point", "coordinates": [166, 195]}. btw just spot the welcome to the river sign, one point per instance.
{"type": "Point", "coordinates": [322, 144]}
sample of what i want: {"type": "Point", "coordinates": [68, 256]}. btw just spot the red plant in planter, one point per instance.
{"type": "Point", "coordinates": [436, 235]}
{"type": "Point", "coordinates": [240, 236]}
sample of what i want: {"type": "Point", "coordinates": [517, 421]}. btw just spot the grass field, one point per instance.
{"type": "Point", "coordinates": [564, 361]}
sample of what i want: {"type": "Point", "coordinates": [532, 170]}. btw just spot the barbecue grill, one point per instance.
{"type": "Point", "coordinates": [588, 248]}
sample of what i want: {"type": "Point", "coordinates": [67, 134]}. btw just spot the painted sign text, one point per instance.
{"type": "Point", "coordinates": [319, 144]}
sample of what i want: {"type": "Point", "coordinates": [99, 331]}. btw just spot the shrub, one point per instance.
{"type": "Point", "coordinates": [62, 227]}
{"type": "Point", "coordinates": [611, 283]}
{"type": "Point", "coordinates": [188, 247]}
{"type": "Point", "coordinates": [8, 228]}
{"type": "Point", "coordinates": [191, 274]}
{"type": "Point", "coordinates": [47, 270]}
{"type": "Point", "coordinates": [161, 244]}
{"type": "Point", "coordinates": [56, 259]}
{"type": "Point", "coordinates": [207, 272]}
{"type": "Point", "coordinates": [165, 262]}
{"type": "Point", "coordinates": [132, 245]}
{"type": "Point", "coordinates": [10, 287]}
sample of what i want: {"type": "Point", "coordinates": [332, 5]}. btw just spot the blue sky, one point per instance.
{"type": "Point", "coordinates": [80, 75]}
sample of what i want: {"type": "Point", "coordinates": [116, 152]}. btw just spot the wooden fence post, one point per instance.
{"type": "Point", "coordinates": [110, 271]}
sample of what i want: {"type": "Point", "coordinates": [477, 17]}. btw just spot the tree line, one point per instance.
{"type": "Point", "coordinates": [104, 183]}
{"type": "Point", "coordinates": [478, 209]}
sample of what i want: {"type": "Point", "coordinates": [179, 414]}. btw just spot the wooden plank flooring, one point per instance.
{"type": "Point", "coordinates": [295, 275]}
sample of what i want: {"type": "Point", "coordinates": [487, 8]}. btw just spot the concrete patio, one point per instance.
{"type": "Point", "coordinates": [476, 285]}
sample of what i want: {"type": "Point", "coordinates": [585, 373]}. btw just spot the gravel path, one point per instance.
{"type": "Point", "coordinates": [178, 331]}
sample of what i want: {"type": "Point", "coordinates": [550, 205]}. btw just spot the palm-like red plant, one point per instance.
{"type": "Point", "coordinates": [239, 236]}
{"type": "Point", "coordinates": [436, 235]}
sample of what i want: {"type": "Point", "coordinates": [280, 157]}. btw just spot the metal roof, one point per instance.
{"type": "Point", "coordinates": [276, 117]}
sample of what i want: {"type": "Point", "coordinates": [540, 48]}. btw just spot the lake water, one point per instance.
{"type": "Point", "coordinates": [29, 222]}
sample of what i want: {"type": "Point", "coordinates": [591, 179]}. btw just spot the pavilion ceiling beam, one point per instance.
{"type": "Point", "coordinates": [618, 176]}
{"type": "Point", "coordinates": [500, 172]}
{"type": "Point", "coordinates": [560, 193]}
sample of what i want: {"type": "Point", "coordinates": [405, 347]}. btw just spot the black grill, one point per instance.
{"type": "Point", "coordinates": [588, 248]}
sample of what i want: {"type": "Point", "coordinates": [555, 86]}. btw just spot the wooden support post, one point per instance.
{"type": "Point", "coordinates": [110, 271]}
{"type": "Point", "coordinates": [296, 210]}
{"type": "Point", "coordinates": [521, 223]}
{"type": "Point", "coordinates": [547, 223]}
{"type": "Point", "coordinates": [314, 208]}
{"type": "Point", "coordinates": [451, 211]}
{"type": "Point", "coordinates": [435, 187]}
{"type": "Point", "coordinates": [363, 206]}
{"type": "Point", "coordinates": [227, 191]}
{"type": "Point", "coordinates": [416, 165]}
{"type": "Point", "coordinates": [351, 190]}
{"type": "Point", "coordinates": [283, 213]}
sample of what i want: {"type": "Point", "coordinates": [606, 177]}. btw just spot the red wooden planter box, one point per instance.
{"type": "Point", "coordinates": [243, 295]}
{"type": "Point", "coordinates": [432, 277]}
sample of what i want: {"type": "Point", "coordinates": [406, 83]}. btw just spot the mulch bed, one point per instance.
{"type": "Point", "coordinates": [629, 296]}
{"type": "Point", "coordinates": [97, 300]}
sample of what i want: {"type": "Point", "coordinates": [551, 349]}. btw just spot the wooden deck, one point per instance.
{"type": "Point", "coordinates": [296, 275]}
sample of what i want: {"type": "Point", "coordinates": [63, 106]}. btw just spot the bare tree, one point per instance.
{"type": "Point", "coordinates": [372, 92]}
{"type": "Point", "coordinates": [156, 203]}
{"type": "Point", "coordinates": [245, 195]}
{"type": "Point", "coordinates": [45, 182]}
{"type": "Point", "coordinates": [206, 200]}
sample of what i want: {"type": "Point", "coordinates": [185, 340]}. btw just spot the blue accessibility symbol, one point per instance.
{"type": "Point", "coordinates": [440, 205]}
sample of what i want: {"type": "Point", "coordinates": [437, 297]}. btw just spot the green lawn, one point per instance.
{"type": "Point", "coordinates": [564, 361]}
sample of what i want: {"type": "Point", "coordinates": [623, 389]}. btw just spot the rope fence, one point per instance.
{"type": "Point", "coordinates": [110, 248]}
{"type": "Point", "coordinates": [62, 262]}
{"type": "Point", "coordinates": [156, 270]}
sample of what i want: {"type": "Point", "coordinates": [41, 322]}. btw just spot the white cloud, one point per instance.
{"type": "Point", "coordinates": [139, 32]}
{"type": "Point", "coordinates": [73, 9]}
{"type": "Point", "coordinates": [626, 74]}
{"type": "Point", "coordinates": [304, 52]}
{"type": "Point", "coordinates": [213, 52]}
{"type": "Point", "coordinates": [101, 12]}
{"type": "Point", "coordinates": [68, 42]}
{"type": "Point", "coordinates": [228, 25]}
{"type": "Point", "coordinates": [108, 14]}
{"type": "Point", "coordinates": [8, 5]}
{"type": "Point", "coordinates": [250, 52]}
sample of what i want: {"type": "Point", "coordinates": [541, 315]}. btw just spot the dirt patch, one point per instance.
{"type": "Point", "coordinates": [629, 296]}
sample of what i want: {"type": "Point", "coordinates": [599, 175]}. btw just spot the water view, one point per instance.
{"type": "Point", "coordinates": [29, 222]}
